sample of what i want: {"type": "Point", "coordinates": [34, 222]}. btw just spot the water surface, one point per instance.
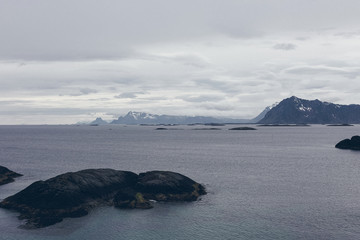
{"type": "Point", "coordinates": [272, 183]}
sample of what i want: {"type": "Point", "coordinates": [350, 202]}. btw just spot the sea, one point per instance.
{"type": "Point", "coordinates": [270, 183]}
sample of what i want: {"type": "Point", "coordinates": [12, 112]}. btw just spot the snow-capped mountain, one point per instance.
{"type": "Point", "coordinates": [295, 110]}
{"type": "Point", "coordinates": [98, 121]}
{"type": "Point", "coordinates": [133, 118]}
{"type": "Point", "coordinates": [263, 113]}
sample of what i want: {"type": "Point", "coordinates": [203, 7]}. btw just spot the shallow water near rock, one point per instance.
{"type": "Point", "coordinates": [273, 183]}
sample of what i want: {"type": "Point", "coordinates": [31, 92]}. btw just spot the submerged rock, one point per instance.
{"type": "Point", "coordinates": [74, 194]}
{"type": "Point", "coordinates": [353, 143]}
{"type": "Point", "coordinates": [7, 176]}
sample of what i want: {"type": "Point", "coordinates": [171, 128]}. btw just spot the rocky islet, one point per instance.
{"type": "Point", "coordinates": [352, 144]}
{"type": "Point", "coordinates": [74, 194]}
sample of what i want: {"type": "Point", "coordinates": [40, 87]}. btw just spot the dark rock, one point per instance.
{"type": "Point", "coordinates": [74, 194]}
{"type": "Point", "coordinates": [169, 186]}
{"type": "Point", "coordinates": [161, 128]}
{"type": "Point", "coordinates": [129, 198]}
{"type": "Point", "coordinates": [207, 129]}
{"type": "Point", "coordinates": [214, 124]}
{"type": "Point", "coordinates": [7, 176]}
{"type": "Point", "coordinates": [243, 128]}
{"type": "Point", "coordinates": [340, 125]}
{"type": "Point", "coordinates": [353, 143]}
{"type": "Point", "coordinates": [44, 203]}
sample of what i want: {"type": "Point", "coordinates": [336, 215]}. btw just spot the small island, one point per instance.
{"type": "Point", "coordinates": [74, 194]}
{"type": "Point", "coordinates": [243, 128]}
{"type": "Point", "coordinates": [352, 144]}
{"type": "Point", "coordinates": [285, 125]}
{"type": "Point", "coordinates": [207, 129]}
{"type": "Point", "coordinates": [7, 176]}
{"type": "Point", "coordinates": [340, 125]}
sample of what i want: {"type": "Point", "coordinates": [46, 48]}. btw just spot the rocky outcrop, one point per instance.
{"type": "Point", "coordinates": [74, 194]}
{"type": "Point", "coordinates": [168, 186]}
{"type": "Point", "coordinates": [7, 176]}
{"type": "Point", "coordinates": [353, 143]}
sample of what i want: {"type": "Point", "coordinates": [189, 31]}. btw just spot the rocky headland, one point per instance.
{"type": "Point", "coordinates": [74, 194]}
{"type": "Point", "coordinates": [352, 144]}
{"type": "Point", "coordinates": [7, 176]}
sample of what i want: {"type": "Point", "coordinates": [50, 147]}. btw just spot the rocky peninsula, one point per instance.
{"type": "Point", "coordinates": [7, 176]}
{"type": "Point", "coordinates": [74, 194]}
{"type": "Point", "coordinates": [352, 144]}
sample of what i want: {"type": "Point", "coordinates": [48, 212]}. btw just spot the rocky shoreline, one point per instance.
{"type": "Point", "coordinates": [74, 194]}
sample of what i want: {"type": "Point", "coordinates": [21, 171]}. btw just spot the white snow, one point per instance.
{"type": "Point", "coordinates": [304, 109]}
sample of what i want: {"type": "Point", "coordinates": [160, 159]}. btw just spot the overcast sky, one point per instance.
{"type": "Point", "coordinates": [65, 61]}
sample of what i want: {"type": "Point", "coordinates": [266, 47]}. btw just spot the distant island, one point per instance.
{"type": "Point", "coordinates": [74, 194]}
{"type": "Point", "coordinates": [290, 111]}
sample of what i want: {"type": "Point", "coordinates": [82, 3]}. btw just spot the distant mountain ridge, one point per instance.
{"type": "Point", "coordinates": [295, 110]}
{"type": "Point", "coordinates": [135, 118]}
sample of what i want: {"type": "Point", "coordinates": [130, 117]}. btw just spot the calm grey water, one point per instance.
{"type": "Point", "coordinates": [273, 183]}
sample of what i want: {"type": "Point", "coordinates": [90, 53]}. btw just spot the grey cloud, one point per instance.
{"type": "Point", "coordinates": [315, 84]}
{"type": "Point", "coordinates": [155, 98]}
{"type": "Point", "coordinates": [86, 91]}
{"type": "Point", "coordinates": [284, 46]}
{"type": "Point", "coordinates": [315, 70]}
{"type": "Point", "coordinates": [302, 38]}
{"type": "Point", "coordinates": [81, 92]}
{"type": "Point", "coordinates": [350, 34]}
{"type": "Point", "coordinates": [191, 60]}
{"type": "Point", "coordinates": [201, 98]}
{"type": "Point", "coordinates": [128, 95]}
{"type": "Point", "coordinates": [13, 102]}
{"type": "Point", "coordinates": [217, 85]}
{"type": "Point", "coordinates": [99, 99]}
{"type": "Point", "coordinates": [38, 30]}
{"type": "Point", "coordinates": [218, 106]}
{"type": "Point", "coordinates": [32, 110]}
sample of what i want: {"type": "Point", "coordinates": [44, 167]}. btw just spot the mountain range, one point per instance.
{"type": "Point", "coordinates": [134, 118]}
{"type": "Point", "coordinates": [291, 110]}
{"type": "Point", "coordinates": [295, 110]}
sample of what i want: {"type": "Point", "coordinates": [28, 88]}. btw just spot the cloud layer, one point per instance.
{"type": "Point", "coordinates": [67, 61]}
